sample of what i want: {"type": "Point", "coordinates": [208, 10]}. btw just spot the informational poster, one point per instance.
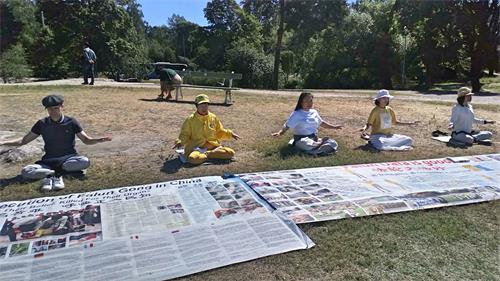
{"type": "Point", "coordinates": [328, 193]}
{"type": "Point", "coordinates": [149, 232]}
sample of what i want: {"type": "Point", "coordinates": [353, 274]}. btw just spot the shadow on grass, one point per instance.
{"type": "Point", "coordinates": [368, 148]}
{"type": "Point", "coordinates": [288, 151]}
{"type": "Point", "coordinates": [20, 180]}
{"type": "Point", "coordinates": [14, 180]}
{"type": "Point", "coordinates": [185, 102]}
{"type": "Point", "coordinates": [173, 164]}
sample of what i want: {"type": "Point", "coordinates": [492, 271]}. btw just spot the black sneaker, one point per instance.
{"type": "Point", "coordinates": [484, 142]}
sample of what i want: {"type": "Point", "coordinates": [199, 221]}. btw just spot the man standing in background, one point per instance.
{"type": "Point", "coordinates": [89, 59]}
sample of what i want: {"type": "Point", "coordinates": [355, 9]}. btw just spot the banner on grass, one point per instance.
{"type": "Point", "coordinates": [152, 232]}
{"type": "Point", "coordinates": [319, 194]}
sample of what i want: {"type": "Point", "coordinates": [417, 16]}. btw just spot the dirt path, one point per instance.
{"type": "Point", "coordinates": [483, 98]}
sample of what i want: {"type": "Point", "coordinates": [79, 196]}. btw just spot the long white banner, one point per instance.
{"type": "Point", "coordinates": [319, 194]}
{"type": "Point", "coordinates": [148, 232]}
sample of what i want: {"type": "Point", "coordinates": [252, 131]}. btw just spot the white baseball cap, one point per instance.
{"type": "Point", "coordinates": [382, 94]}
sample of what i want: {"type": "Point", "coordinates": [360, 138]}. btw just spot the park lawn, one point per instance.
{"type": "Point", "coordinates": [489, 84]}
{"type": "Point", "coordinates": [453, 243]}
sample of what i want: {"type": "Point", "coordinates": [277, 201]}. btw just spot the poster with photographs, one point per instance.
{"type": "Point", "coordinates": [149, 232]}
{"type": "Point", "coordinates": [328, 193]}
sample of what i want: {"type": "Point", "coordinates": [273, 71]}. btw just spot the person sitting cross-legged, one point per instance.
{"type": "Point", "coordinates": [381, 121]}
{"type": "Point", "coordinates": [305, 122]}
{"type": "Point", "coordinates": [58, 132]}
{"type": "Point", "coordinates": [202, 133]}
{"type": "Point", "coordinates": [462, 119]}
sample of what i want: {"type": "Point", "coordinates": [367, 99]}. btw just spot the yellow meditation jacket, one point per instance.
{"type": "Point", "coordinates": [202, 131]}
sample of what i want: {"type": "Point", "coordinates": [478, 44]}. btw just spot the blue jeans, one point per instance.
{"type": "Point", "coordinates": [88, 71]}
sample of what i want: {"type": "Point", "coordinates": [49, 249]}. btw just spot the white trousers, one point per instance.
{"type": "Point", "coordinates": [392, 142]}
{"type": "Point", "coordinates": [40, 171]}
{"type": "Point", "coordinates": [307, 145]}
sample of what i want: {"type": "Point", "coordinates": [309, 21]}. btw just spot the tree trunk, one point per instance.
{"type": "Point", "coordinates": [475, 73]}
{"type": "Point", "coordinates": [277, 52]}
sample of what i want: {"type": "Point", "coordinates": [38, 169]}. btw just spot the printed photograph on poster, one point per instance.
{"type": "Point", "coordinates": [87, 219]}
{"type": "Point", "coordinates": [3, 252]}
{"type": "Point", "coordinates": [311, 187]}
{"type": "Point", "coordinates": [288, 188]}
{"type": "Point", "coordinates": [19, 249]}
{"type": "Point", "coordinates": [338, 210]}
{"type": "Point", "coordinates": [84, 238]}
{"type": "Point", "coordinates": [220, 213]}
{"type": "Point", "coordinates": [293, 211]}
{"type": "Point", "coordinates": [256, 184]}
{"type": "Point", "coordinates": [47, 245]}
{"type": "Point", "coordinates": [306, 201]}
{"type": "Point", "coordinates": [302, 218]}
{"type": "Point", "coordinates": [234, 187]}
{"type": "Point", "coordinates": [275, 197]}
{"type": "Point", "coordinates": [266, 190]}
{"type": "Point", "coordinates": [382, 205]}
{"type": "Point", "coordinates": [297, 195]}
{"type": "Point", "coordinates": [283, 204]}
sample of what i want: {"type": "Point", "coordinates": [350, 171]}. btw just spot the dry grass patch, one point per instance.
{"type": "Point", "coordinates": [144, 131]}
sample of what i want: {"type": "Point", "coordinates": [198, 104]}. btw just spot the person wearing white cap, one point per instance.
{"type": "Point", "coordinates": [381, 120]}
{"type": "Point", "coordinates": [305, 122]}
{"type": "Point", "coordinates": [462, 119]}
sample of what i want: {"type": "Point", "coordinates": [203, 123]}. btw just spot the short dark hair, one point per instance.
{"type": "Point", "coordinates": [377, 103]}
{"type": "Point", "coordinates": [461, 100]}
{"type": "Point", "coordinates": [301, 98]}
{"type": "Point", "coordinates": [86, 44]}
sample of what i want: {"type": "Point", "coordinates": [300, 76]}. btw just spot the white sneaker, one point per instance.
{"type": "Point", "coordinates": [57, 183]}
{"type": "Point", "coordinates": [46, 184]}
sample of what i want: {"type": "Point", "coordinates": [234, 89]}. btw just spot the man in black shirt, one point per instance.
{"type": "Point", "coordinates": [58, 132]}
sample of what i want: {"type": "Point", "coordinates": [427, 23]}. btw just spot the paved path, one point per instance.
{"type": "Point", "coordinates": [483, 98]}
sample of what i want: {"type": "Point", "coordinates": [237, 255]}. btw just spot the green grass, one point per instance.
{"type": "Point", "coordinates": [457, 243]}
{"type": "Point", "coordinates": [489, 84]}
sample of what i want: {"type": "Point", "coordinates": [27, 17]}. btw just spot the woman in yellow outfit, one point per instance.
{"type": "Point", "coordinates": [201, 134]}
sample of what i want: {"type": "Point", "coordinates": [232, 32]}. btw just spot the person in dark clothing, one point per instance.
{"type": "Point", "coordinates": [89, 60]}
{"type": "Point", "coordinates": [169, 80]}
{"type": "Point", "coordinates": [58, 132]}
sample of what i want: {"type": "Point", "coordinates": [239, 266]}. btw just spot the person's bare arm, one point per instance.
{"type": "Point", "coordinates": [327, 125]}
{"type": "Point", "coordinates": [280, 132]}
{"type": "Point", "coordinates": [86, 139]}
{"type": "Point", "coordinates": [29, 137]}
{"type": "Point", "coordinates": [364, 131]}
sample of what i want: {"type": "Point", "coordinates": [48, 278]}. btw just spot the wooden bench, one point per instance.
{"type": "Point", "coordinates": [228, 99]}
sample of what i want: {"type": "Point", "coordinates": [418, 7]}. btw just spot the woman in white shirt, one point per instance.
{"type": "Point", "coordinates": [305, 122]}
{"type": "Point", "coordinates": [462, 118]}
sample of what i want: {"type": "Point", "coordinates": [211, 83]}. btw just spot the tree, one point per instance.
{"type": "Point", "coordinates": [13, 63]}
{"type": "Point", "coordinates": [267, 14]}
{"type": "Point", "coordinates": [253, 64]}
{"type": "Point", "coordinates": [230, 25]}
{"type": "Point", "coordinates": [279, 38]}
{"type": "Point", "coordinates": [18, 23]}
{"type": "Point", "coordinates": [479, 25]}
{"type": "Point", "coordinates": [287, 63]}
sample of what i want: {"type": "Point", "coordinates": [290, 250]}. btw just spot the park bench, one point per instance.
{"type": "Point", "coordinates": [228, 99]}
